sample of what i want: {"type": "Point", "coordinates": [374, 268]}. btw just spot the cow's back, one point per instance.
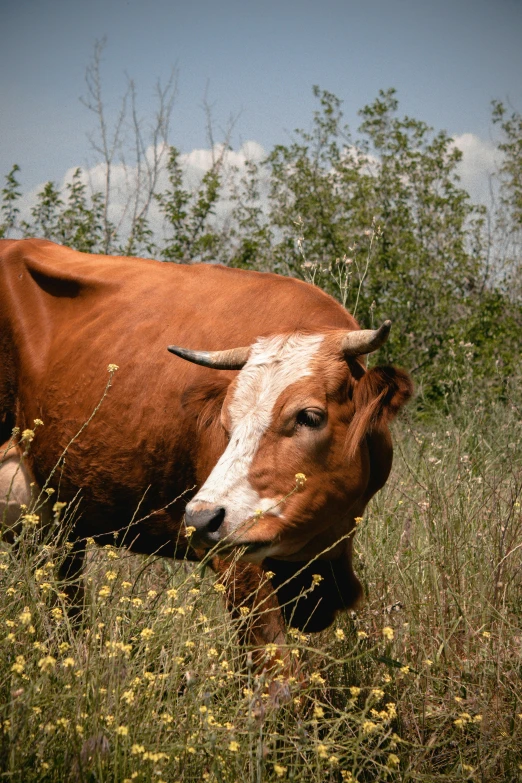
{"type": "Point", "coordinates": [65, 316]}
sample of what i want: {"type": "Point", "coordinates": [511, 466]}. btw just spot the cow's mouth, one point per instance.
{"type": "Point", "coordinates": [244, 548]}
{"type": "Point", "coordinates": [249, 546]}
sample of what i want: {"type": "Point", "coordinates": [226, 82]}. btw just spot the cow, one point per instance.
{"type": "Point", "coordinates": [261, 414]}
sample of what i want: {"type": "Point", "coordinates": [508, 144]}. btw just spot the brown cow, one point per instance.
{"type": "Point", "coordinates": [237, 423]}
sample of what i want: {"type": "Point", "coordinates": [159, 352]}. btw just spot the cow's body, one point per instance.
{"type": "Point", "coordinates": [158, 433]}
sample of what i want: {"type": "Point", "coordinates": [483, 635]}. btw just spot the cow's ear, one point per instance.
{"type": "Point", "coordinates": [378, 396]}
{"type": "Point", "coordinates": [313, 610]}
{"type": "Point", "coordinates": [383, 390]}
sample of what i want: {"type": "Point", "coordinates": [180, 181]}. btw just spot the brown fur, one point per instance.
{"type": "Point", "coordinates": [64, 316]}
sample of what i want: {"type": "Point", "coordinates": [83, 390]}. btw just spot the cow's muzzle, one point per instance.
{"type": "Point", "coordinates": [207, 520]}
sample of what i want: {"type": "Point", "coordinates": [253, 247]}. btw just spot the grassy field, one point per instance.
{"type": "Point", "coordinates": [423, 683]}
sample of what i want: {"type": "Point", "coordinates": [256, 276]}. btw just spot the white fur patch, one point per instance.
{"type": "Point", "coordinates": [274, 364]}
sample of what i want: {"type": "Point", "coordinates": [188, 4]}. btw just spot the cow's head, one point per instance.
{"type": "Point", "coordinates": [301, 404]}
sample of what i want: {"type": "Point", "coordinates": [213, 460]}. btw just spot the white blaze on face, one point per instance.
{"type": "Point", "coordinates": [274, 364]}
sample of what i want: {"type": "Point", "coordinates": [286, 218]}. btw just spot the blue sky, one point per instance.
{"type": "Point", "coordinates": [448, 60]}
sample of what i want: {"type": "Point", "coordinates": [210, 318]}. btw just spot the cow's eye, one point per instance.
{"type": "Point", "coordinates": [310, 417]}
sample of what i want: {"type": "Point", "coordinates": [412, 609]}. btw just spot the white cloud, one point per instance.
{"type": "Point", "coordinates": [124, 179]}
{"type": "Point", "coordinates": [479, 161]}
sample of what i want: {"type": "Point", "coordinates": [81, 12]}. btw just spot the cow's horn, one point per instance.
{"type": "Point", "coordinates": [365, 340]}
{"type": "Point", "coordinates": [233, 359]}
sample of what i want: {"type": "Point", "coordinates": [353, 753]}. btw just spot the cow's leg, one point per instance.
{"type": "Point", "coordinates": [253, 604]}
{"type": "Point", "coordinates": [70, 572]}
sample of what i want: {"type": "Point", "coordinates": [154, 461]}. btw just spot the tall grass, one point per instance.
{"type": "Point", "coordinates": [422, 683]}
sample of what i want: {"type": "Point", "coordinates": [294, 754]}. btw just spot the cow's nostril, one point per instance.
{"type": "Point", "coordinates": [215, 523]}
{"type": "Point", "coordinates": [207, 521]}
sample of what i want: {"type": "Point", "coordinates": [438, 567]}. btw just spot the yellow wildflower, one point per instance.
{"type": "Point", "coordinates": [270, 649]}
{"type": "Point", "coordinates": [316, 679]}
{"type": "Point", "coordinates": [19, 666]}
{"type": "Point", "coordinates": [279, 770]}
{"type": "Point", "coordinates": [233, 746]}
{"type": "Point", "coordinates": [47, 664]}
{"type": "Point", "coordinates": [388, 633]}
{"type": "Point", "coordinates": [339, 634]}
{"type": "Point", "coordinates": [155, 757]}
{"type": "Point", "coordinates": [300, 480]}
{"type": "Point", "coordinates": [31, 519]}
{"type": "Point", "coordinates": [392, 710]}
{"type": "Point", "coordinates": [25, 616]}
{"type": "Point", "coordinates": [122, 731]}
